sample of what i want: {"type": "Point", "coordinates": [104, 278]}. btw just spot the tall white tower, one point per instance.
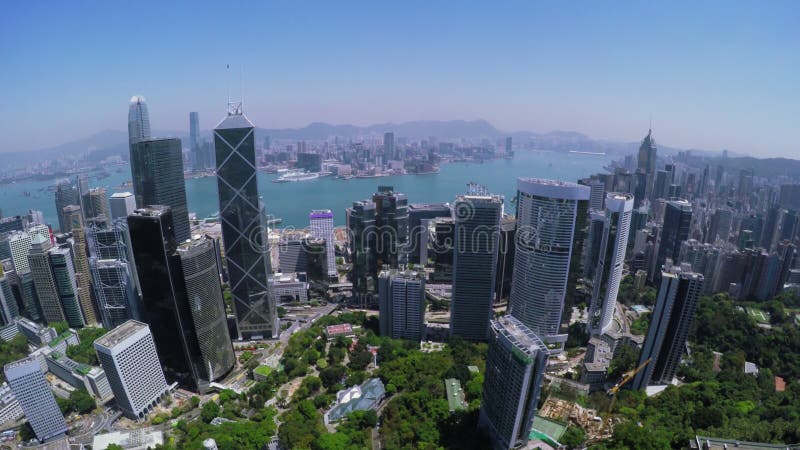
{"type": "Point", "coordinates": [321, 224]}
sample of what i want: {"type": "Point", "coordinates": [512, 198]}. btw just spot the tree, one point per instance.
{"type": "Point", "coordinates": [114, 447]}
{"type": "Point", "coordinates": [624, 360]}
{"type": "Point", "coordinates": [81, 401]}
{"type": "Point", "coordinates": [331, 375]}
{"type": "Point", "coordinates": [573, 437]}
{"type": "Point", "coordinates": [209, 411]}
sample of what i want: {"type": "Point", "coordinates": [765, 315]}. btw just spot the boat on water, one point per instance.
{"type": "Point", "coordinates": [296, 176]}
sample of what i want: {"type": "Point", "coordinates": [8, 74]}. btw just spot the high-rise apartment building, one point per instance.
{"type": "Point", "coordinates": [129, 358]}
{"type": "Point", "coordinates": [670, 321]}
{"type": "Point", "coordinates": [677, 223]}
{"type": "Point", "coordinates": [122, 205]}
{"type": "Point", "coordinates": [515, 365]}
{"type": "Point", "coordinates": [138, 120]}
{"type": "Point", "coordinates": [401, 300]}
{"type": "Point", "coordinates": [477, 222]}
{"type": "Point", "coordinates": [551, 228]}
{"type": "Point", "coordinates": [31, 390]}
{"type": "Point", "coordinates": [157, 169]}
{"type": "Point", "coordinates": [608, 267]}
{"type": "Point", "coordinates": [244, 233]}
{"type": "Point", "coordinates": [321, 226]}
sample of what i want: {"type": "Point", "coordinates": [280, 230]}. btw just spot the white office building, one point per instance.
{"type": "Point", "coordinates": [128, 356]}
{"type": "Point", "coordinates": [27, 382]}
{"type": "Point", "coordinates": [321, 223]}
{"type": "Point", "coordinates": [613, 241]}
{"type": "Point", "coordinates": [122, 205]}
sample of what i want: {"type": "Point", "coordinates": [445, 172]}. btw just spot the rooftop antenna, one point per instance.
{"type": "Point", "coordinates": [234, 108]}
{"type": "Point", "coordinates": [651, 122]}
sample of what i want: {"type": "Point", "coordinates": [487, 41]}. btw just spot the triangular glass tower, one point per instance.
{"type": "Point", "coordinates": [244, 232]}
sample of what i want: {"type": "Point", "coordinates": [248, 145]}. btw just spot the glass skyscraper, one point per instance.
{"type": "Point", "coordinates": [477, 234]}
{"type": "Point", "coordinates": [551, 226]}
{"type": "Point", "coordinates": [157, 169]}
{"type": "Point", "coordinates": [138, 120]}
{"type": "Point", "coordinates": [515, 365]}
{"type": "Point", "coordinates": [244, 230]}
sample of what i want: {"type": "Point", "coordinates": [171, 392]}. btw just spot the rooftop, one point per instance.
{"type": "Point", "coordinates": [518, 334]}
{"type": "Point", "coordinates": [455, 395]}
{"type": "Point", "coordinates": [120, 333]}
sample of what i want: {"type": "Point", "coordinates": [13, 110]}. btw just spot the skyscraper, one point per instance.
{"type": "Point", "coordinates": [194, 141]}
{"type": "Point", "coordinates": [244, 234]}
{"type": "Point", "coordinates": [198, 260]}
{"type": "Point", "coordinates": [44, 281]}
{"type": "Point", "coordinates": [138, 120]}
{"type": "Point", "coordinates": [115, 291]}
{"type": "Point", "coordinates": [65, 194]}
{"type": "Point", "coordinates": [157, 169]}
{"type": "Point", "coordinates": [417, 213]}
{"type": "Point", "coordinates": [321, 225]}
{"type": "Point", "coordinates": [122, 205]}
{"type": "Point", "coordinates": [388, 146]}
{"type": "Point", "coordinates": [401, 299]}
{"type": "Point", "coordinates": [83, 276]}
{"type": "Point", "coordinates": [95, 204]}
{"type": "Point", "coordinates": [515, 365]}
{"type": "Point", "coordinates": [129, 358]}
{"type": "Point", "coordinates": [67, 286]}
{"type": "Point", "coordinates": [477, 222]}
{"type": "Point", "coordinates": [646, 162]}
{"type": "Point", "coordinates": [8, 303]}
{"type": "Point", "coordinates": [611, 258]}
{"type": "Point", "coordinates": [36, 399]}
{"type": "Point", "coordinates": [551, 227]}
{"type": "Point", "coordinates": [391, 222]}
{"type": "Point", "coordinates": [363, 239]}
{"type": "Point", "coordinates": [677, 223]}
{"type": "Point", "coordinates": [670, 321]}
{"type": "Point", "coordinates": [164, 302]}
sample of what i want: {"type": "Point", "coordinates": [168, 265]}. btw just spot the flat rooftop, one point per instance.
{"type": "Point", "coordinates": [120, 333]}
{"type": "Point", "coordinates": [520, 335]}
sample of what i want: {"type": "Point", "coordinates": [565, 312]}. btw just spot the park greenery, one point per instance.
{"type": "Point", "coordinates": [16, 348]}
{"type": "Point", "coordinates": [84, 352]}
{"type": "Point", "coordinates": [729, 403]}
{"type": "Point", "coordinates": [79, 401]}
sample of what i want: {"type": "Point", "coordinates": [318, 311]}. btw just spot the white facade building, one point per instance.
{"type": "Point", "coordinates": [321, 223]}
{"type": "Point", "coordinates": [122, 205]}
{"type": "Point", "coordinates": [36, 399]}
{"type": "Point", "coordinates": [128, 356]}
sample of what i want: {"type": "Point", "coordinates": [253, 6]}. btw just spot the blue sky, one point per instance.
{"type": "Point", "coordinates": [712, 74]}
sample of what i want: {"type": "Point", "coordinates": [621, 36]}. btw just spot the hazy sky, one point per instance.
{"type": "Point", "coordinates": [713, 74]}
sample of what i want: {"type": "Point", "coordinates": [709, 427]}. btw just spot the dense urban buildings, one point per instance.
{"type": "Point", "coordinates": [551, 227]}
{"type": "Point", "coordinates": [477, 221]}
{"type": "Point", "coordinates": [241, 214]}
{"type": "Point", "coordinates": [129, 358]}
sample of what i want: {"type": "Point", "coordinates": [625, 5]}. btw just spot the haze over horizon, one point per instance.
{"type": "Point", "coordinates": [713, 75]}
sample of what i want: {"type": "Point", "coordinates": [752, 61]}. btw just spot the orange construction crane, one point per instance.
{"type": "Point", "coordinates": [628, 376]}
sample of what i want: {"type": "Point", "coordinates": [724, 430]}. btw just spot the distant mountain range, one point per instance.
{"type": "Point", "coordinates": [115, 142]}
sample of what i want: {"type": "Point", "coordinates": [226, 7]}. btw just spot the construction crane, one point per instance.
{"type": "Point", "coordinates": [628, 376]}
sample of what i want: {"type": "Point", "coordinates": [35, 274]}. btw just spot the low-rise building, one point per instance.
{"type": "Point", "coordinates": [141, 439]}
{"type": "Point", "coordinates": [342, 329]}
{"type": "Point", "coordinates": [357, 398]}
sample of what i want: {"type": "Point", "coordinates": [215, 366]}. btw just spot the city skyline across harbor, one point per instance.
{"type": "Point", "coordinates": [281, 199]}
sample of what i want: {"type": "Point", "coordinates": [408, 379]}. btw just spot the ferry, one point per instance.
{"type": "Point", "coordinates": [296, 176]}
